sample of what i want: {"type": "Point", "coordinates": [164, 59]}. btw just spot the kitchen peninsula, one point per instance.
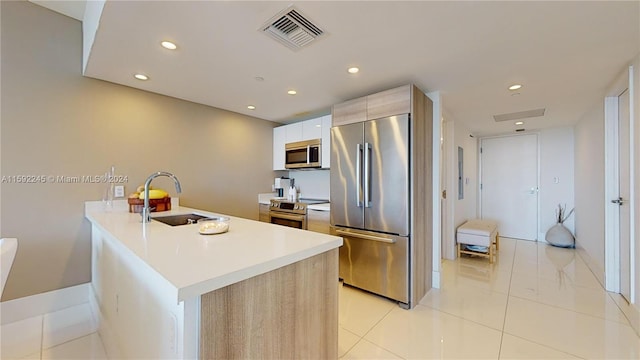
{"type": "Point", "coordinates": [259, 290]}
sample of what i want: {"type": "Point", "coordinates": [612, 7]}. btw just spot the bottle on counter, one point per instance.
{"type": "Point", "coordinates": [293, 192]}
{"type": "Point", "coordinates": [109, 192]}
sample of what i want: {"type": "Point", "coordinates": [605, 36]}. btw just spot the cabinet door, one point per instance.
{"type": "Point", "coordinates": [326, 141]}
{"type": "Point", "coordinates": [312, 129]}
{"type": "Point", "coordinates": [263, 213]}
{"type": "Point", "coordinates": [318, 221]}
{"type": "Point", "coordinates": [388, 103]}
{"type": "Point", "coordinates": [279, 139]}
{"type": "Point", "coordinates": [294, 132]}
{"type": "Point", "coordinates": [350, 112]}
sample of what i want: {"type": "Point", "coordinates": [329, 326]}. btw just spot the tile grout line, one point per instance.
{"type": "Point", "coordinates": [368, 331]}
{"type": "Point", "coordinates": [504, 322]}
{"type": "Point", "coordinates": [573, 310]}
{"type": "Point", "coordinates": [545, 345]}
{"type": "Point", "coordinates": [41, 336]}
{"type": "Point", "coordinates": [610, 295]}
{"type": "Point", "coordinates": [374, 325]}
{"type": "Point", "coordinates": [538, 278]}
{"type": "Point", "coordinates": [352, 346]}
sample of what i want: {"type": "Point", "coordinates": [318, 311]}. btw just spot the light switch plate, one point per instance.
{"type": "Point", "coordinates": [118, 191]}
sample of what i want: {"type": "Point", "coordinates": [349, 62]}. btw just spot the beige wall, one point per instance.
{"type": "Point", "coordinates": [56, 122]}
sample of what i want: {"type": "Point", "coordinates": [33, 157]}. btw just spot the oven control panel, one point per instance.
{"type": "Point", "coordinates": [288, 206]}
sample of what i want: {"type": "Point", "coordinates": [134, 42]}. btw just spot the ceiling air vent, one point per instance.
{"type": "Point", "coordinates": [291, 29]}
{"type": "Point", "coordinates": [519, 115]}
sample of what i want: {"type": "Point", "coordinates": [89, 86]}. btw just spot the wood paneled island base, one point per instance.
{"type": "Point", "coordinates": [287, 313]}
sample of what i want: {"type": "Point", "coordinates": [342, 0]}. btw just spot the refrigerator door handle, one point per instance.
{"type": "Point", "coordinates": [367, 175]}
{"type": "Point", "coordinates": [365, 236]}
{"type": "Point", "coordinates": [358, 175]}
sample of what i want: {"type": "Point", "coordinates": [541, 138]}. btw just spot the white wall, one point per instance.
{"type": "Point", "coordinates": [589, 187]}
{"type": "Point", "coordinates": [465, 208]}
{"type": "Point", "coordinates": [590, 184]}
{"type": "Point", "coordinates": [556, 177]}
{"type": "Point", "coordinates": [457, 211]}
{"type": "Point", "coordinates": [313, 184]}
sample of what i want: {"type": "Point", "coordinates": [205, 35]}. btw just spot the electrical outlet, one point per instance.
{"type": "Point", "coordinates": [119, 191]}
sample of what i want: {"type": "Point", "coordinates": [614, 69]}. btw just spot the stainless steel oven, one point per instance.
{"type": "Point", "coordinates": [292, 214]}
{"type": "Point", "coordinates": [289, 213]}
{"type": "Point", "coordinates": [303, 154]}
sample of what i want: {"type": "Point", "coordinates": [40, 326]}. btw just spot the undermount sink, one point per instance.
{"type": "Point", "coordinates": [176, 220]}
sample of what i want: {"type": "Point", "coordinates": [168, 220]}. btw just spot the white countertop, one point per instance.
{"type": "Point", "coordinates": [320, 207]}
{"type": "Point", "coordinates": [196, 264]}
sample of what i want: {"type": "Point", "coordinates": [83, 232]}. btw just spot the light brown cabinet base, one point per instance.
{"type": "Point", "coordinates": [287, 313]}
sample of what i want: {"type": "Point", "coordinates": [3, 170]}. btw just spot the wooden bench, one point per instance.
{"type": "Point", "coordinates": [481, 233]}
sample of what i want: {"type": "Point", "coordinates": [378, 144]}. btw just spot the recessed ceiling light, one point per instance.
{"type": "Point", "coordinates": [515, 87]}
{"type": "Point", "coordinates": [251, 107]}
{"type": "Point", "coordinates": [169, 45]}
{"type": "Point", "coordinates": [519, 122]}
{"type": "Point", "coordinates": [142, 77]}
{"type": "Point", "coordinates": [353, 70]}
{"type": "Point", "coordinates": [292, 92]}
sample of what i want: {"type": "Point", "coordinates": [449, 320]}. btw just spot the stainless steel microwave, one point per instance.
{"type": "Point", "coordinates": [303, 154]}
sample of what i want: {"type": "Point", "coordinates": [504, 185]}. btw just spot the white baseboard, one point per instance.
{"type": "Point", "coordinates": [631, 312]}
{"type": "Point", "coordinates": [435, 279]}
{"type": "Point", "coordinates": [42, 321]}
{"type": "Point", "coordinates": [40, 304]}
{"type": "Point", "coordinates": [591, 264]}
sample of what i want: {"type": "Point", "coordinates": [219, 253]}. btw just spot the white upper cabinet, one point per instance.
{"type": "Point", "coordinates": [318, 128]}
{"type": "Point", "coordinates": [279, 139]}
{"type": "Point", "coordinates": [294, 132]}
{"type": "Point", "coordinates": [312, 129]}
{"type": "Point", "coordinates": [326, 141]}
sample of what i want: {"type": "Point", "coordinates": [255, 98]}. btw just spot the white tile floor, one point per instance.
{"type": "Point", "coordinates": [84, 348]}
{"type": "Point", "coordinates": [535, 302]}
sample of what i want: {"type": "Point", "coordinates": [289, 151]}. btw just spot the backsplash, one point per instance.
{"type": "Point", "coordinates": [312, 184]}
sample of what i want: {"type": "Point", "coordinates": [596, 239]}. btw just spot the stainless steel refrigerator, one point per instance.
{"type": "Point", "coordinates": [371, 204]}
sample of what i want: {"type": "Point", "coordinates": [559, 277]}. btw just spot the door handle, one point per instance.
{"type": "Point", "coordinates": [358, 175]}
{"type": "Point", "coordinates": [308, 154]}
{"type": "Point", "coordinates": [367, 175]}
{"type": "Point", "coordinates": [618, 201]}
{"type": "Point", "coordinates": [366, 236]}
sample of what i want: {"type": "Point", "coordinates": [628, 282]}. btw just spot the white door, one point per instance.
{"type": "Point", "coordinates": [623, 197]}
{"type": "Point", "coordinates": [509, 184]}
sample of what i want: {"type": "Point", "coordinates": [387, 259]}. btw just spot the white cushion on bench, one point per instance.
{"type": "Point", "coordinates": [477, 232]}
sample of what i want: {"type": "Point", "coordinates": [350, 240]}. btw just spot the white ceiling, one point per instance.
{"type": "Point", "coordinates": [564, 53]}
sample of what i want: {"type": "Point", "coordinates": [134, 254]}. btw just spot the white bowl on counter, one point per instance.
{"type": "Point", "coordinates": [213, 225]}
